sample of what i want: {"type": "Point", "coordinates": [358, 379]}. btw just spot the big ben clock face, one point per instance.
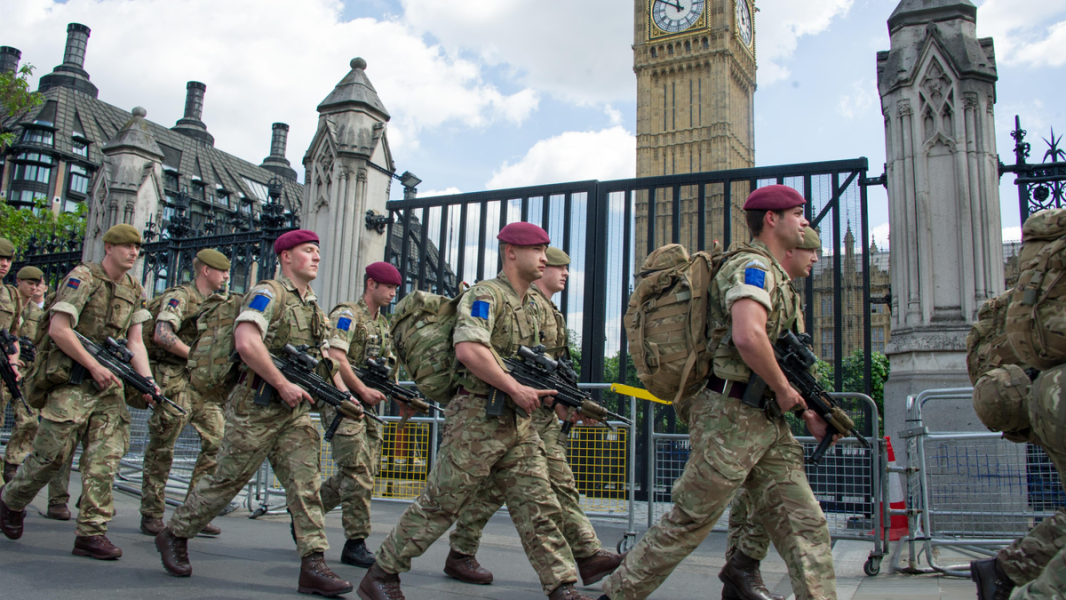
{"type": "Point", "coordinates": [676, 16]}
{"type": "Point", "coordinates": [745, 28]}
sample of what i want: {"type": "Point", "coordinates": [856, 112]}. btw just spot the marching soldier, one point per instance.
{"type": "Point", "coordinates": [494, 318]}
{"type": "Point", "coordinates": [360, 332]}
{"type": "Point", "coordinates": [10, 317]}
{"type": "Point", "coordinates": [734, 444]}
{"type": "Point", "coordinates": [275, 313]}
{"type": "Point", "coordinates": [30, 292]}
{"type": "Point", "coordinates": [593, 562]}
{"type": "Point", "coordinates": [175, 329]}
{"type": "Point", "coordinates": [98, 300]}
{"type": "Point", "coordinates": [748, 541]}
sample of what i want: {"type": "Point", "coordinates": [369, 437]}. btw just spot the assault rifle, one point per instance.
{"type": "Point", "coordinates": [795, 359]}
{"type": "Point", "coordinates": [533, 368]}
{"type": "Point", "coordinates": [376, 375]}
{"type": "Point", "coordinates": [116, 357]}
{"type": "Point", "coordinates": [27, 351]}
{"type": "Point", "coordinates": [299, 367]}
{"type": "Point", "coordinates": [7, 371]}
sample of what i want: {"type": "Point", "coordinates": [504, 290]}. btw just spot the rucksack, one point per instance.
{"type": "Point", "coordinates": [422, 327]}
{"type": "Point", "coordinates": [666, 320]}
{"type": "Point", "coordinates": [155, 352]}
{"type": "Point", "coordinates": [1036, 316]}
{"type": "Point", "coordinates": [211, 366]}
{"type": "Point", "coordinates": [987, 347]}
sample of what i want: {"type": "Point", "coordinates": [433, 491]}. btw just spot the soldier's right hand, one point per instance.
{"type": "Point", "coordinates": [103, 377]}
{"type": "Point", "coordinates": [530, 399]}
{"type": "Point", "coordinates": [293, 394]}
{"type": "Point", "coordinates": [789, 400]}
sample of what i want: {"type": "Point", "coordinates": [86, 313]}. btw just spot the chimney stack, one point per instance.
{"type": "Point", "coordinates": [277, 162]}
{"type": "Point", "coordinates": [71, 74]}
{"type": "Point", "coordinates": [9, 59]}
{"type": "Point", "coordinates": [77, 40]}
{"type": "Point", "coordinates": [192, 125]}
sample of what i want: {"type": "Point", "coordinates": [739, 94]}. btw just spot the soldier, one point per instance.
{"type": "Point", "coordinates": [10, 316]}
{"type": "Point", "coordinates": [593, 562]}
{"type": "Point", "coordinates": [734, 444]}
{"type": "Point", "coordinates": [175, 329]}
{"type": "Point", "coordinates": [494, 318]}
{"type": "Point", "coordinates": [1033, 567]}
{"type": "Point", "coordinates": [98, 300]}
{"type": "Point", "coordinates": [748, 541]}
{"type": "Point", "coordinates": [360, 331]}
{"type": "Point", "coordinates": [275, 313]}
{"type": "Point", "coordinates": [21, 442]}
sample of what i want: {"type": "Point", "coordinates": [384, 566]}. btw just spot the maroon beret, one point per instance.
{"type": "Point", "coordinates": [523, 234]}
{"type": "Point", "coordinates": [292, 239]}
{"type": "Point", "coordinates": [774, 197]}
{"type": "Point", "coordinates": [383, 272]}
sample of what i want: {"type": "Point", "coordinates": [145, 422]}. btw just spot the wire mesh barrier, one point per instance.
{"type": "Point", "coordinates": [405, 458]}
{"type": "Point", "coordinates": [972, 492]}
{"type": "Point", "coordinates": [598, 459]}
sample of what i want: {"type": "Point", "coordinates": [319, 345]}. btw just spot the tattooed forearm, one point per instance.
{"type": "Point", "coordinates": [165, 336]}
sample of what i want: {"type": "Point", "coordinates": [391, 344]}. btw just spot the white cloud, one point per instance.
{"type": "Point", "coordinates": [1012, 234]}
{"type": "Point", "coordinates": [880, 235]}
{"type": "Point", "coordinates": [1030, 33]}
{"type": "Point", "coordinates": [780, 23]}
{"type": "Point", "coordinates": [445, 192]}
{"type": "Point", "coordinates": [613, 115]}
{"type": "Point", "coordinates": [263, 61]}
{"type": "Point", "coordinates": [862, 98]}
{"type": "Point", "coordinates": [572, 156]}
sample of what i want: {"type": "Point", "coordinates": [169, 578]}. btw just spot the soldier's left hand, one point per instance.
{"type": "Point", "coordinates": [371, 396]}
{"type": "Point", "coordinates": [817, 426]}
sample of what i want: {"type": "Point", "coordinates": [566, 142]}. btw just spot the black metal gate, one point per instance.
{"type": "Point", "coordinates": [608, 228]}
{"type": "Point", "coordinates": [1040, 186]}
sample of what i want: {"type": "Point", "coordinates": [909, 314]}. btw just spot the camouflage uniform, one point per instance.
{"type": "Point", "coordinates": [285, 436]}
{"type": "Point", "coordinates": [10, 317]}
{"type": "Point", "coordinates": [575, 526]}
{"type": "Point", "coordinates": [178, 307]}
{"type": "Point", "coordinates": [21, 442]}
{"type": "Point", "coordinates": [477, 447]}
{"type": "Point", "coordinates": [357, 444]}
{"type": "Point", "coordinates": [733, 445]}
{"type": "Point", "coordinates": [98, 308]}
{"type": "Point", "coordinates": [1037, 562]}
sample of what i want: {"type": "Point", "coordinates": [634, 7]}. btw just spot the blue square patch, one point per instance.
{"type": "Point", "coordinates": [260, 302]}
{"type": "Point", "coordinates": [480, 310]}
{"type": "Point", "coordinates": [344, 324]}
{"type": "Point", "coordinates": [755, 277]}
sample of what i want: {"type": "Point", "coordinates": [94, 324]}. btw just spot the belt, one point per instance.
{"type": "Point", "coordinates": [463, 390]}
{"type": "Point", "coordinates": [718, 385]}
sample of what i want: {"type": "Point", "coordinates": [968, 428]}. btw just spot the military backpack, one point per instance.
{"type": "Point", "coordinates": [422, 328]}
{"type": "Point", "coordinates": [987, 347]}
{"type": "Point", "coordinates": [1036, 315]}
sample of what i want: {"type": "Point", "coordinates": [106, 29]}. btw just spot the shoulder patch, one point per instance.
{"type": "Point", "coordinates": [480, 310]}
{"type": "Point", "coordinates": [265, 291]}
{"type": "Point", "coordinates": [755, 277]}
{"type": "Point", "coordinates": [174, 302]}
{"type": "Point", "coordinates": [260, 302]}
{"type": "Point", "coordinates": [757, 264]}
{"type": "Point", "coordinates": [73, 283]}
{"type": "Point", "coordinates": [344, 324]}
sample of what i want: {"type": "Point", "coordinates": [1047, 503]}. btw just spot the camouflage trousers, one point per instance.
{"type": "Point", "coordinates": [59, 487]}
{"type": "Point", "coordinates": [734, 445]}
{"type": "Point", "coordinates": [746, 530]}
{"type": "Point", "coordinates": [105, 421]}
{"type": "Point", "coordinates": [575, 526]}
{"type": "Point", "coordinates": [288, 439]}
{"type": "Point", "coordinates": [164, 427]}
{"type": "Point", "coordinates": [358, 459]}
{"type": "Point", "coordinates": [475, 448]}
{"type": "Point", "coordinates": [20, 444]}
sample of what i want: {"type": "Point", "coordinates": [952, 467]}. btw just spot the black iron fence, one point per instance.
{"type": "Point", "coordinates": [1040, 185]}
{"type": "Point", "coordinates": [608, 228]}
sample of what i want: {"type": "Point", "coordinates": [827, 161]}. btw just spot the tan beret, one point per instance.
{"type": "Point", "coordinates": [123, 233]}
{"type": "Point", "coordinates": [811, 241]}
{"type": "Point", "coordinates": [557, 258]}
{"type": "Point", "coordinates": [30, 273]}
{"type": "Point", "coordinates": [7, 249]}
{"type": "Point", "coordinates": [214, 259]}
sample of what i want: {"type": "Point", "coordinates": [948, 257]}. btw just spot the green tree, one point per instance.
{"type": "Point", "coordinates": [853, 379]}
{"type": "Point", "coordinates": [19, 224]}
{"type": "Point", "coordinates": [15, 99]}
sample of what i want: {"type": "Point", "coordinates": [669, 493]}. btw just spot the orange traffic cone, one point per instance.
{"type": "Point", "coordinates": [896, 500]}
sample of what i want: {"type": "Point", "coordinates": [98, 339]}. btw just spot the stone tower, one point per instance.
{"type": "Point", "coordinates": [695, 67]}
{"type": "Point", "coordinates": [348, 172]}
{"type": "Point", "coordinates": [938, 91]}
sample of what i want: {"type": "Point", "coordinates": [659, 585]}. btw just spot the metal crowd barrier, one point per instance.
{"type": "Point", "coordinates": [848, 483]}
{"type": "Point", "coordinates": [972, 492]}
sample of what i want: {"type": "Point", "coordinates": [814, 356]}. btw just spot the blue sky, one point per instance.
{"type": "Point", "coordinates": [516, 92]}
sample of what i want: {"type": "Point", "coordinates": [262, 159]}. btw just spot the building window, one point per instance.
{"type": "Point", "coordinates": [38, 136]}
{"type": "Point", "coordinates": [827, 306]}
{"type": "Point", "coordinates": [827, 344]}
{"type": "Point", "coordinates": [653, 53]}
{"type": "Point", "coordinates": [81, 149]}
{"type": "Point", "coordinates": [33, 172]}
{"type": "Point", "coordinates": [79, 179]}
{"type": "Point", "coordinates": [171, 180]}
{"type": "Point", "coordinates": [222, 198]}
{"type": "Point", "coordinates": [688, 46]}
{"type": "Point", "coordinates": [877, 336]}
{"type": "Point", "coordinates": [259, 190]}
{"type": "Point", "coordinates": [706, 45]}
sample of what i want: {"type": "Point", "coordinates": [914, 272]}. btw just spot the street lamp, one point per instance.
{"type": "Point", "coordinates": [410, 182]}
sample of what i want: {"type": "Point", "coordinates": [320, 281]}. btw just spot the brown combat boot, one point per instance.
{"type": "Point", "coordinates": [992, 582]}
{"type": "Point", "coordinates": [151, 525]}
{"type": "Point", "coordinates": [174, 552]}
{"type": "Point", "coordinates": [211, 529]}
{"type": "Point", "coordinates": [10, 520]}
{"type": "Point", "coordinates": [317, 578]}
{"type": "Point", "coordinates": [596, 567]}
{"type": "Point", "coordinates": [743, 580]}
{"type": "Point", "coordinates": [378, 584]}
{"type": "Point", "coordinates": [96, 546]}
{"type": "Point", "coordinates": [9, 471]}
{"type": "Point", "coordinates": [567, 592]}
{"type": "Point", "coordinates": [59, 512]}
{"type": "Point", "coordinates": [466, 568]}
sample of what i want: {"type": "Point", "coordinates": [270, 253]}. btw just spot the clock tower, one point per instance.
{"type": "Point", "coordinates": [695, 67]}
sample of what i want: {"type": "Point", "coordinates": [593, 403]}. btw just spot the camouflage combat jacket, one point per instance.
{"type": "Point", "coordinates": [10, 309]}
{"type": "Point", "coordinates": [31, 319]}
{"type": "Point", "coordinates": [553, 332]}
{"type": "Point", "coordinates": [360, 337]}
{"type": "Point", "coordinates": [179, 308]}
